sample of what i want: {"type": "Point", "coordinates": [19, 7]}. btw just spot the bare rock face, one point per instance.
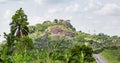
{"type": "Point", "coordinates": [59, 31]}
{"type": "Point", "coordinates": [69, 34]}
{"type": "Point", "coordinates": [56, 30]}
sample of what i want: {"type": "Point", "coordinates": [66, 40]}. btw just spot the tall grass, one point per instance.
{"type": "Point", "coordinates": [112, 55]}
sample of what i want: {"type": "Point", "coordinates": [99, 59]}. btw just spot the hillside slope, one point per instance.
{"type": "Point", "coordinates": [63, 28]}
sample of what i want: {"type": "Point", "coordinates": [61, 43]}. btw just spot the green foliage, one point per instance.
{"type": "Point", "coordinates": [18, 44]}
{"type": "Point", "coordinates": [19, 23]}
{"type": "Point", "coordinates": [24, 43]}
{"type": "Point", "coordinates": [81, 54]}
{"type": "Point", "coordinates": [9, 43]}
{"type": "Point", "coordinates": [112, 54]}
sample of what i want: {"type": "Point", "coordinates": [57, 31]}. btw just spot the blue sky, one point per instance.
{"type": "Point", "coordinates": [91, 16]}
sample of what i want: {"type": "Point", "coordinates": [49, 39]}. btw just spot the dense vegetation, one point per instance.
{"type": "Point", "coordinates": [54, 41]}
{"type": "Point", "coordinates": [112, 54]}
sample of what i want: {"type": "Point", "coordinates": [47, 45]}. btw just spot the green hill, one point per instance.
{"type": "Point", "coordinates": [63, 28]}
{"type": "Point", "coordinates": [57, 30]}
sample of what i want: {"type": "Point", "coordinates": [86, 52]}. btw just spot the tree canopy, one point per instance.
{"type": "Point", "coordinates": [19, 24]}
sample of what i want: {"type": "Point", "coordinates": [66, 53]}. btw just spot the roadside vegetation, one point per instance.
{"type": "Point", "coordinates": [112, 54]}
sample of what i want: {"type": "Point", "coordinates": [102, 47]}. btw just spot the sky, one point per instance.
{"type": "Point", "coordinates": [90, 16]}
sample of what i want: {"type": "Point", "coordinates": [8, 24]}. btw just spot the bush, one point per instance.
{"type": "Point", "coordinates": [81, 54]}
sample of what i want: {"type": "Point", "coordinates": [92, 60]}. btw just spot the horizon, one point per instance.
{"type": "Point", "coordinates": [89, 16]}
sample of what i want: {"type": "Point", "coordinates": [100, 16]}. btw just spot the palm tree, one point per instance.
{"type": "Point", "coordinates": [19, 24]}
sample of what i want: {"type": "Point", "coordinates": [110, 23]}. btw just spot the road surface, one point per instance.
{"type": "Point", "coordinates": [99, 58]}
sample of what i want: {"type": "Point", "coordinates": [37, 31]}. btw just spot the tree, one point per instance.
{"type": "Point", "coordinates": [115, 40]}
{"type": "Point", "coordinates": [19, 28]}
{"type": "Point", "coordinates": [81, 54]}
{"type": "Point", "coordinates": [25, 43]}
{"type": "Point", "coordinates": [19, 24]}
{"type": "Point", "coordinates": [56, 20]}
{"type": "Point", "coordinates": [9, 42]}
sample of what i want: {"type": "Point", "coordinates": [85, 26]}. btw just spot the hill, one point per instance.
{"type": "Point", "coordinates": [63, 28]}
{"type": "Point", "coordinates": [58, 41]}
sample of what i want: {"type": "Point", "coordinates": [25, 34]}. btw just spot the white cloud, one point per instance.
{"type": "Point", "coordinates": [52, 13]}
{"type": "Point", "coordinates": [108, 9]}
{"type": "Point", "coordinates": [72, 8]}
{"type": "Point", "coordinates": [7, 14]}
{"type": "Point", "coordinates": [21, 2]}
{"type": "Point", "coordinates": [92, 4]}
{"type": "Point", "coordinates": [52, 10]}
{"type": "Point", "coordinates": [34, 20]}
{"type": "Point", "coordinates": [39, 1]}
{"type": "Point", "coordinates": [89, 17]}
{"type": "Point", "coordinates": [3, 0]}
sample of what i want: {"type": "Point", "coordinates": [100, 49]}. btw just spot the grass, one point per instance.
{"type": "Point", "coordinates": [112, 56]}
